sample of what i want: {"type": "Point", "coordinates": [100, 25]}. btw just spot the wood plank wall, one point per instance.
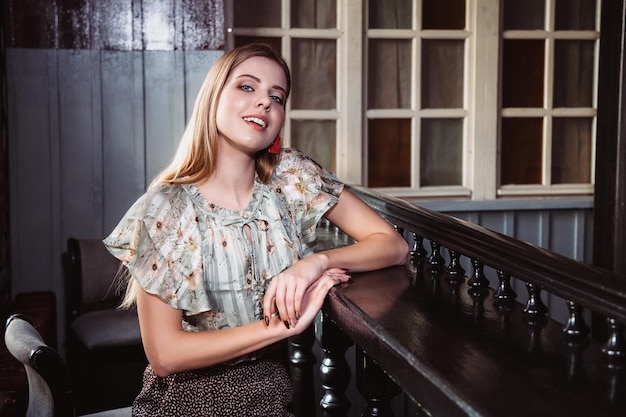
{"type": "Point", "coordinates": [98, 94]}
{"type": "Point", "coordinates": [5, 282]}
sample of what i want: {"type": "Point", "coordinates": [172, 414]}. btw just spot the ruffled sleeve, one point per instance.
{"type": "Point", "coordinates": [158, 239]}
{"type": "Point", "coordinates": [308, 190]}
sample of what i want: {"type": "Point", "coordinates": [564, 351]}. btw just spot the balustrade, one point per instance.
{"type": "Point", "coordinates": [460, 344]}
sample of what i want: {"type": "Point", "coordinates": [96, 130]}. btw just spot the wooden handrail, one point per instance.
{"type": "Point", "coordinates": [601, 291]}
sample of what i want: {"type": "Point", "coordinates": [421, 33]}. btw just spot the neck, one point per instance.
{"type": "Point", "coordinates": [230, 186]}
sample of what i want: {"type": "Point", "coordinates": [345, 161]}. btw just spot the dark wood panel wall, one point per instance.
{"type": "Point", "coordinates": [122, 25]}
{"type": "Point", "coordinates": [5, 283]}
{"type": "Point", "coordinates": [97, 95]}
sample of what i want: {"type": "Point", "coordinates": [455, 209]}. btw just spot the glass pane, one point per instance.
{"type": "Point", "coordinates": [314, 14]}
{"type": "Point", "coordinates": [441, 152]}
{"type": "Point", "coordinates": [255, 13]}
{"type": "Point", "coordinates": [390, 14]}
{"type": "Point", "coordinates": [389, 74]}
{"type": "Point", "coordinates": [521, 151]}
{"type": "Point", "coordinates": [575, 15]}
{"type": "Point", "coordinates": [524, 14]}
{"type": "Point", "coordinates": [573, 73]}
{"type": "Point", "coordinates": [316, 138]}
{"type": "Point", "coordinates": [244, 40]}
{"type": "Point", "coordinates": [571, 151]}
{"type": "Point", "coordinates": [442, 73]}
{"type": "Point", "coordinates": [443, 14]}
{"type": "Point", "coordinates": [389, 153]}
{"type": "Point", "coordinates": [314, 73]}
{"type": "Point", "coordinates": [522, 73]}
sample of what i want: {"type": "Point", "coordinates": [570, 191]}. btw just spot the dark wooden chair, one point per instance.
{"type": "Point", "coordinates": [104, 347]}
{"type": "Point", "coordinates": [50, 391]}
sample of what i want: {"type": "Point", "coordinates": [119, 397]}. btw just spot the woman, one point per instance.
{"type": "Point", "coordinates": [218, 249]}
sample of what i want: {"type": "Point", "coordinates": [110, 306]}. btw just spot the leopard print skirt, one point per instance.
{"type": "Point", "coordinates": [249, 389]}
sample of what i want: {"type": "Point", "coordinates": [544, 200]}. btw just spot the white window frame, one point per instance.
{"type": "Point", "coordinates": [481, 111]}
{"type": "Point", "coordinates": [548, 112]}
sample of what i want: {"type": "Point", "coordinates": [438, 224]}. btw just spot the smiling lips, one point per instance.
{"type": "Point", "coordinates": [256, 120]}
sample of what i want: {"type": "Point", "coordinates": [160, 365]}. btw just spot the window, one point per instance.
{"type": "Point", "coordinates": [548, 113]}
{"type": "Point", "coordinates": [472, 99]}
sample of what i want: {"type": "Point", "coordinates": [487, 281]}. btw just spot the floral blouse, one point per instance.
{"type": "Point", "coordinates": [213, 263]}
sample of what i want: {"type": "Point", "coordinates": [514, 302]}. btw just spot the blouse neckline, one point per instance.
{"type": "Point", "coordinates": [250, 212]}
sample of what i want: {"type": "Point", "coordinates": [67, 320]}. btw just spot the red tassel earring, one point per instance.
{"type": "Point", "coordinates": [275, 146]}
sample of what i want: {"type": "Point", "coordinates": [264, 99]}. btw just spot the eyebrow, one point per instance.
{"type": "Point", "coordinates": [257, 79]}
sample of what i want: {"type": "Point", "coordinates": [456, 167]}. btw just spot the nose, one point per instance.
{"type": "Point", "coordinates": [264, 102]}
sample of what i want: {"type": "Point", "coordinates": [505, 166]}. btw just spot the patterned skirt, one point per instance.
{"type": "Point", "coordinates": [253, 388]}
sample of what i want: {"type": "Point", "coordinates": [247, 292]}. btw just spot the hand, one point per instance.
{"type": "Point", "coordinates": [314, 296]}
{"type": "Point", "coordinates": [285, 292]}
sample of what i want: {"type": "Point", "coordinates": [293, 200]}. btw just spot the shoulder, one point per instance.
{"type": "Point", "coordinates": [162, 198]}
{"type": "Point", "coordinates": [294, 162]}
{"type": "Point", "coordinates": [298, 175]}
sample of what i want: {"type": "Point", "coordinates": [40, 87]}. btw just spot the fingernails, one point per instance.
{"type": "Point", "coordinates": [292, 323]}
{"type": "Point", "coordinates": [286, 323]}
{"type": "Point", "coordinates": [267, 321]}
{"type": "Point", "coordinates": [297, 315]}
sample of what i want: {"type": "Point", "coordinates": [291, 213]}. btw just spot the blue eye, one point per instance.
{"type": "Point", "coordinates": [245, 87]}
{"type": "Point", "coordinates": [277, 99]}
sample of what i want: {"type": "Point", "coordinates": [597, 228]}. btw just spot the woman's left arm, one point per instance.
{"type": "Point", "coordinates": [378, 245]}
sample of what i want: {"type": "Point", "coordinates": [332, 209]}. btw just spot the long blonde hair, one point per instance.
{"type": "Point", "coordinates": [195, 157]}
{"type": "Point", "coordinates": [196, 154]}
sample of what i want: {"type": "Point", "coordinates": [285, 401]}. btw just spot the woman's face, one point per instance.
{"type": "Point", "coordinates": [251, 108]}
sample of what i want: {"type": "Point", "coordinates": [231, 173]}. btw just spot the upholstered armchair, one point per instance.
{"type": "Point", "coordinates": [104, 349]}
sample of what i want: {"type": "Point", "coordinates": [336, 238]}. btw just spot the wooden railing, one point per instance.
{"type": "Point", "coordinates": [459, 344]}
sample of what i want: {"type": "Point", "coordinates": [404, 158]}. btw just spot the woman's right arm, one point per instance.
{"type": "Point", "coordinates": [171, 349]}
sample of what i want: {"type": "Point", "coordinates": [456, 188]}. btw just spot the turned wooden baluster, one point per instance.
{"type": "Point", "coordinates": [504, 292]}
{"type": "Point", "coordinates": [535, 311]}
{"type": "Point", "coordinates": [334, 369]}
{"type": "Point", "coordinates": [375, 386]}
{"type": "Point", "coordinates": [418, 256]}
{"type": "Point", "coordinates": [505, 301]}
{"type": "Point", "coordinates": [478, 287]}
{"type": "Point", "coordinates": [577, 343]}
{"type": "Point", "coordinates": [575, 325]}
{"type": "Point", "coordinates": [435, 263]}
{"type": "Point", "coordinates": [455, 272]}
{"type": "Point", "coordinates": [576, 346]}
{"type": "Point", "coordinates": [478, 279]}
{"type": "Point", "coordinates": [614, 348]}
{"type": "Point", "coordinates": [535, 306]}
{"type": "Point", "coordinates": [615, 351]}
{"type": "Point", "coordinates": [301, 360]}
{"type": "Point", "coordinates": [616, 370]}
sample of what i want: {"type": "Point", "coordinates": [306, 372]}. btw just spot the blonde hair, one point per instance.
{"type": "Point", "coordinates": [196, 154]}
{"type": "Point", "coordinates": [195, 157]}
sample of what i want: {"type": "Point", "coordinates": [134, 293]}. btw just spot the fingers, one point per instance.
{"type": "Point", "coordinates": [269, 302]}
{"type": "Point", "coordinates": [285, 294]}
{"type": "Point", "coordinates": [284, 299]}
{"type": "Point", "coordinates": [339, 275]}
{"type": "Point", "coordinates": [315, 295]}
